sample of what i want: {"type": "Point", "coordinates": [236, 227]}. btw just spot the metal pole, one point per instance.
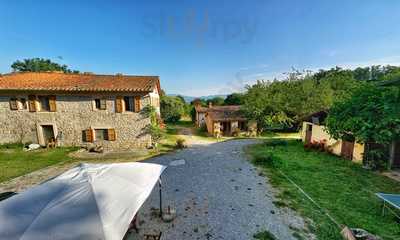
{"type": "Point", "coordinates": [160, 189]}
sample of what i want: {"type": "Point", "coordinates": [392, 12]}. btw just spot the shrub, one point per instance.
{"type": "Point", "coordinates": [236, 132]}
{"type": "Point", "coordinates": [317, 145]}
{"type": "Point", "coordinates": [264, 235]}
{"type": "Point", "coordinates": [172, 108]}
{"type": "Point", "coordinates": [267, 159]}
{"type": "Point", "coordinates": [275, 143]}
{"type": "Point", "coordinates": [180, 143]}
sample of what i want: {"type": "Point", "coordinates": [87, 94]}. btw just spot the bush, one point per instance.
{"type": "Point", "coordinates": [236, 132]}
{"type": "Point", "coordinates": [172, 109]}
{"type": "Point", "coordinates": [180, 143]}
{"type": "Point", "coordinates": [275, 143]}
{"type": "Point", "coordinates": [267, 159]}
{"type": "Point", "coordinates": [317, 145]}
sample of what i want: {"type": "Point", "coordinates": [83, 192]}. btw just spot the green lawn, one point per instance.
{"type": "Point", "coordinates": [345, 189]}
{"type": "Point", "coordinates": [15, 162]}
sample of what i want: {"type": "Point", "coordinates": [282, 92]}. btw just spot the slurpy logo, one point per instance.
{"type": "Point", "coordinates": [200, 28]}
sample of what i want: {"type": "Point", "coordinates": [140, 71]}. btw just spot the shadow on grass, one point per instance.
{"type": "Point", "coordinates": [343, 188]}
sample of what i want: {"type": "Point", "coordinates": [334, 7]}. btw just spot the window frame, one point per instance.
{"type": "Point", "coordinates": [129, 106]}
{"type": "Point", "coordinates": [101, 102]}
{"type": "Point", "coordinates": [21, 103]}
{"type": "Point", "coordinates": [39, 100]}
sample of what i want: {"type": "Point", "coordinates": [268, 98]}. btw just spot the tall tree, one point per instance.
{"type": "Point", "coordinates": [280, 104]}
{"type": "Point", "coordinates": [371, 116]}
{"type": "Point", "coordinates": [234, 99]}
{"type": "Point", "coordinates": [216, 101]}
{"type": "Point", "coordinates": [39, 65]}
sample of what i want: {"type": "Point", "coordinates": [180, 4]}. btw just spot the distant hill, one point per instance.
{"type": "Point", "coordinates": [188, 99]}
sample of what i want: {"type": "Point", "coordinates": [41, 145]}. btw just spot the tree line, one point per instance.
{"type": "Point", "coordinates": [282, 104]}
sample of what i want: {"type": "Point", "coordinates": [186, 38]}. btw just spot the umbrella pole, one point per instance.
{"type": "Point", "coordinates": [160, 189]}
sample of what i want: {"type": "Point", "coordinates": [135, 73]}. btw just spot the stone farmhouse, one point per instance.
{"type": "Point", "coordinates": [221, 120]}
{"type": "Point", "coordinates": [77, 109]}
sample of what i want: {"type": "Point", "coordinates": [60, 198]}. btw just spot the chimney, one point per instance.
{"type": "Point", "coordinates": [210, 104]}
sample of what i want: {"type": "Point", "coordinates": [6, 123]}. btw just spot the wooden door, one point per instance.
{"type": "Point", "coordinates": [308, 133]}
{"type": "Point", "coordinates": [347, 149]}
{"type": "Point", "coordinates": [396, 155]}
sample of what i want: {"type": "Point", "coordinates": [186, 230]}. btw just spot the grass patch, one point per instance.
{"type": "Point", "coordinates": [345, 189]}
{"type": "Point", "coordinates": [264, 235]}
{"type": "Point", "coordinates": [15, 162]}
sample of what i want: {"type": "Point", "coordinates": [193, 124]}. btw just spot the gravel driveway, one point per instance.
{"type": "Point", "coordinates": [217, 194]}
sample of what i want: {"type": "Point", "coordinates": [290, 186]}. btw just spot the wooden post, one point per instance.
{"type": "Point", "coordinates": [160, 189]}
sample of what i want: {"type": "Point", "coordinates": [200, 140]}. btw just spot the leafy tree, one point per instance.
{"type": "Point", "coordinates": [216, 101]}
{"type": "Point", "coordinates": [371, 115]}
{"type": "Point", "coordinates": [171, 108]}
{"type": "Point", "coordinates": [181, 98]}
{"type": "Point", "coordinates": [282, 104]}
{"type": "Point", "coordinates": [234, 99]}
{"type": "Point", "coordinates": [39, 65]}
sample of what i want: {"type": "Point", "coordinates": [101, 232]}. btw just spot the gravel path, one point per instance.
{"type": "Point", "coordinates": [217, 194]}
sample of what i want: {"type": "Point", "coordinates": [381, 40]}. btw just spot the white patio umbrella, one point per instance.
{"type": "Point", "coordinates": [90, 201]}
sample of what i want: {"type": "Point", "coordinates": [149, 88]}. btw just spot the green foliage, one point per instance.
{"type": "Point", "coordinates": [234, 99]}
{"type": "Point", "coordinates": [343, 188]}
{"type": "Point", "coordinates": [281, 104]}
{"type": "Point", "coordinates": [370, 115]}
{"type": "Point", "coordinates": [267, 159]}
{"type": "Point", "coordinates": [14, 161]}
{"type": "Point", "coordinates": [275, 142]}
{"type": "Point", "coordinates": [39, 65]}
{"type": "Point", "coordinates": [154, 129]}
{"type": "Point", "coordinates": [156, 133]}
{"type": "Point", "coordinates": [264, 235]}
{"type": "Point", "coordinates": [180, 143]}
{"type": "Point", "coordinates": [150, 112]}
{"type": "Point", "coordinates": [376, 73]}
{"type": "Point", "coordinates": [172, 108]}
{"type": "Point", "coordinates": [216, 101]}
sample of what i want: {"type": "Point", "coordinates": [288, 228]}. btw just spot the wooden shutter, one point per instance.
{"type": "Point", "coordinates": [111, 134]}
{"type": "Point", "coordinates": [103, 104]}
{"type": "Point", "coordinates": [89, 135]}
{"type": "Point", "coordinates": [13, 104]}
{"type": "Point", "coordinates": [32, 103]}
{"type": "Point", "coordinates": [137, 103]}
{"type": "Point", "coordinates": [118, 104]}
{"type": "Point", "coordinates": [52, 103]}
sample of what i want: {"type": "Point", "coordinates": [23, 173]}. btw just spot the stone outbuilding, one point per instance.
{"type": "Point", "coordinates": [221, 120]}
{"type": "Point", "coordinates": [77, 109]}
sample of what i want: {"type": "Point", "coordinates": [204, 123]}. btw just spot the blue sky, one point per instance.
{"type": "Point", "coordinates": [201, 47]}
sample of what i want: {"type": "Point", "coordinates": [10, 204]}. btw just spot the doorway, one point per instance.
{"type": "Point", "coordinates": [226, 128]}
{"type": "Point", "coordinates": [308, 133]}
{"type": "Point", "coordinates": [347, 149]}
{"type": "Point", "coordinates": [48, 134]}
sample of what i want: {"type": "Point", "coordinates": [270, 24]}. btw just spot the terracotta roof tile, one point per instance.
{"type": "Point", "coordinates": [53, 81]}
{"type": "Point", "coordinates": [225, 113]}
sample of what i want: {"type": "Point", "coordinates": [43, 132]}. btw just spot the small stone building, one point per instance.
{"type": "Point", "coordinates": [224, 120]}
{"type": "Point", "coordinates": [77, 109]}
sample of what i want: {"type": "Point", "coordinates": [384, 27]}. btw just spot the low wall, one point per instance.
{"type": "Point", "coordinates": [319, 133]}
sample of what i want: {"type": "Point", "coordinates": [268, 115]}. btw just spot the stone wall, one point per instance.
{"type": "Point", "coordinates": [74, 115]}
